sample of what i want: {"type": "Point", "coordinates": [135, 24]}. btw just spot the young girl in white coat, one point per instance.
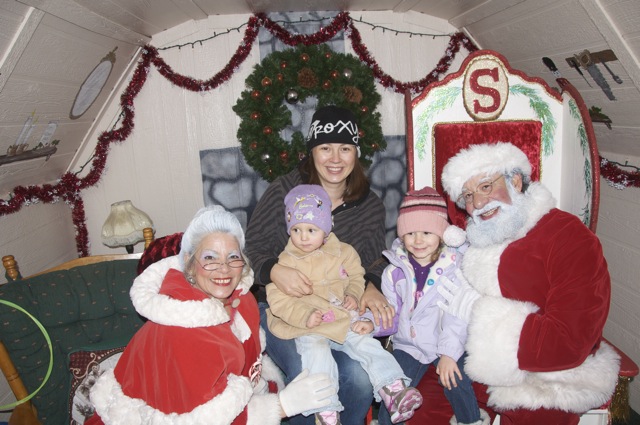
{"type": "Point", "coordinates": [422, 254]}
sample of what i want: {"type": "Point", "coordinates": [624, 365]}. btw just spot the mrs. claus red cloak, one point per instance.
{"type": "Point", "coordinates": [192, 362]}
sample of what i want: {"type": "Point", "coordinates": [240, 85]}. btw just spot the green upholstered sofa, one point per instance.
{"type": "Point", "coordinates": [82, 308]}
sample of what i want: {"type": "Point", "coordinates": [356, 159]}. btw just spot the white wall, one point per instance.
{"type": "Point", "coordinates": [619, 231]}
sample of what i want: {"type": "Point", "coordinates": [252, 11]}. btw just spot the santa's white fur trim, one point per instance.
{"type": "Point", "coordinates": [485, 419]}
{"type": "Point", "coordinates": [493, 340]}
{"type": "Point", "coordinates": [115, 408]}
{"type": "Point", "coordinates": [577, 390]}
{"type": "Point", "coordinates": [485, 159]}
{"type": "Point", "coordinates": [164, 310]}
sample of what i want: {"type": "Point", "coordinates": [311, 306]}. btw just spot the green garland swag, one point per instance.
{"type": "Point", "coordinates": [291, 76]}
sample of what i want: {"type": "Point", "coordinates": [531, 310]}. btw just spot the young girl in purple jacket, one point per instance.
{"type": "Point", "coordinates": [423, 253]}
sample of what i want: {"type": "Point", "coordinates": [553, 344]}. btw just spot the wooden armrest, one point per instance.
{"type": "Point", "coordinates": [11, 266]}
{"type": "Point", "coordinates": [24, 414]}
{"type": "Point", "coordinates": [147, 233]}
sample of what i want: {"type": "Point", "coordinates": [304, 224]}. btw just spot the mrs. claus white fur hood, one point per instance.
{"type": "Point", "coordinates": [168, 311]}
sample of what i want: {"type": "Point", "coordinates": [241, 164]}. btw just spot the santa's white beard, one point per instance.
{"type": "Point", "coordinates": [504, 226]}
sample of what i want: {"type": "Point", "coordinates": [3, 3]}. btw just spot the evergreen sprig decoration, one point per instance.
{"type": "Point", "coordinates": [292, 76]}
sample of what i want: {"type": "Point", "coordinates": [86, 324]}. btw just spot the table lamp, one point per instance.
{"type": "Point", "coordinates": [123, 226]}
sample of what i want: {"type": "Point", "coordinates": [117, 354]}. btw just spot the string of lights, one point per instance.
{"type": "Point", "coordinates": [397, 32]}
{"type": "Point", "coordinates": [626, 164]}
{"type": "Point", "coordinates": [374, 27]}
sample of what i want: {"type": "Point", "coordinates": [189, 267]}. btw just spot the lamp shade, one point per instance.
{"type": "Point", "coordinates": [123, 226]}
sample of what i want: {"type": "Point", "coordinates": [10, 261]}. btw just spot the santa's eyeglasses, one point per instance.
{"type": "Point", "coordinates": [484, 189]}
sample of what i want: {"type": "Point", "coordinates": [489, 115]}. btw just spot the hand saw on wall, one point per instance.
{"type": "Point", "coordinates": [586, 61]}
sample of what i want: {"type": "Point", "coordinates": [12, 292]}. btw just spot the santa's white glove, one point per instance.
{"type": "Point", "coordinates": [459, 297]}
{"type": "Point", "coordinates": [306, 392]}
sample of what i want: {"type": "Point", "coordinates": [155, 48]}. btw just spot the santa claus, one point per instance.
{"type": "Point", "coordinates": [537, 296]}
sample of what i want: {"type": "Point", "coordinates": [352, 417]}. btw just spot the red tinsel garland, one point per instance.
{"type": "Point", "coordinates": [386, 80]}
{"type": "Point", "coordinates": [617, 177]}
{"type": "Point", "coordinates": [69, 186]}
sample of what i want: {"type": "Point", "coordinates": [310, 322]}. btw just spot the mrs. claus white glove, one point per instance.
{"type": "Point", "coordinates": [459, 298]}
{"type": "Point", "coordinates": [306, 392]}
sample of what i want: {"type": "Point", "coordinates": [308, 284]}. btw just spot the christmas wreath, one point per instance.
{"type": "Point", "coordinates": [291, 76]}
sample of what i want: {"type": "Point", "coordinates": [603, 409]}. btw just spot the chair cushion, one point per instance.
{"type": "Point", "coordinates": [78, 307]}
{"type": "Point", "coordinates": [85, 366]}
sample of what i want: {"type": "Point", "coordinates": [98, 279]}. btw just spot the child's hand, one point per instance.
{"type": "Point", "coordinates": [350, 303]}
{"type": "Point", "coordinates": [315, 319]}
{"type": "Point", "coordinates": [362, 327]}
{"type": "Point", "coordinates": [448, 369]}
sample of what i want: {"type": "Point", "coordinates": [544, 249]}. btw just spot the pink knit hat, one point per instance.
{"type": "Point", "coordinates": [425, 210]}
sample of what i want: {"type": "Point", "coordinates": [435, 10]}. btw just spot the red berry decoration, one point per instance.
{"type": "Point", "coordinates": [284, 155]}
{"type": "Point", "coordinates": [267, 130]}
{"type": "Point", "coordinates": [326, 85]}
{"type": "Point", "coordinates": [364, 109]}
{"type": "Point", "coordinates": [361, 133]}
{"type": "Point", "coordinates": [327, 55]}
{"type": "Point", "coordinates": [375, 146]}
{"type": "Point", "coordinates": [253, 145]}
{"type": "Point", "coordinates": [266, 81]}
{"type": "Point", "coordinates": [304, 57]}
{"type": "Point", "coordinates": [255, 94]}
{"type": "Point", "coordinates": [267, 98]}
{"type": "Point", "coordinates": [280, 77]}
{"type": "Point", "coordinates": [334, 74]}
{"type": "Point", "coordinates": [255, 115]}
{"type": "Point", "coordinates": [283, 65]}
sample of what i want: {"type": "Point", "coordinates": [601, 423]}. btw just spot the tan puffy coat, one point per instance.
{"type": "Point", "coordinates": [335, 271]}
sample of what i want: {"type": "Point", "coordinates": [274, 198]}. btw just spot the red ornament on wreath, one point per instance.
{"type": "Point", "coordinates": [267, 130]}
{"type": "Point", "coordinates": [304, 57]}
{"type": "Point", "coordinates": [283, 65]}
{"type": "Point", "coordinates": [334, 74]}
{"type": "Point", "coordinates": [266, 81]}
{"type": "Point", "coordinates": [364, 109]}
{"type": "Point", "coordinates": [361, 133]}
{"type": "Point", "coordinates": [255, 94]}
{"type": "Point", "coordinates": [280, 77]}
{"type": "Point", "coordinates": [284, 156]}
{"type": "Point", "coordinates": [253, 145]}
{"type": "Point", "coordinates": [267, 98]}
{"type": "Point", "coordinates": [326, 85]}
{"type": "Point", "coordinates": [327, 55]}
{"type": "Point", "coordinates": [255, 115]}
